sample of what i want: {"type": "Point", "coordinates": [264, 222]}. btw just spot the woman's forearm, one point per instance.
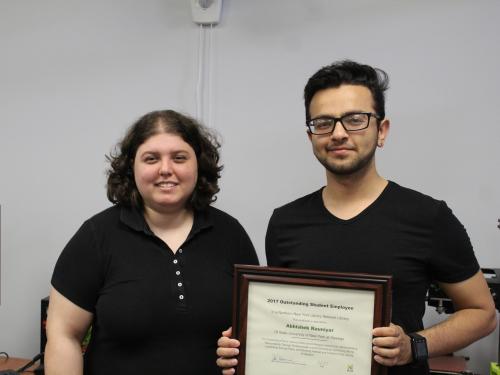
{"type": "Point", "coordinates": [63, 356]}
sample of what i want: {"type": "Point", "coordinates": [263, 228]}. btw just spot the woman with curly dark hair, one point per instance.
{"type": "Point", "coordinates": [152, 274]}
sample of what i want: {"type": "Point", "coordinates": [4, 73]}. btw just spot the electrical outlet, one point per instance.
{"type": "Point", "coordinates": [206, 12]}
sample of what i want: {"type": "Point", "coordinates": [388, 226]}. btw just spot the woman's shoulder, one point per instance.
{"type": "Point", "coordinates": [105, 220]}
{"type": "Point", "coordinates": [218, 216]}
{"type": "Point", "coordinates": [110, 214]}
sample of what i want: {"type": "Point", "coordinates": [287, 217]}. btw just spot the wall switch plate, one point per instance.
{"type": "Point", "coordinates": [206, 12]}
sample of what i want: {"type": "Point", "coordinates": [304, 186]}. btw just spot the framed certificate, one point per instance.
{"type": "Point", "coordinates": [306, 322]}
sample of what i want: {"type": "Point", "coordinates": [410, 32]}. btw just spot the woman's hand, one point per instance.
{"type": "Point", "coordinates": [227, 351]}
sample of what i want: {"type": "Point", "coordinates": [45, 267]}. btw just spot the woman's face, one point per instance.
{"type": "Point", "coordinates": [165, 172]}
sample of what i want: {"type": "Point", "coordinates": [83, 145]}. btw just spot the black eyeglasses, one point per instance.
{"type": "Point", "coordinates": [351, 122]}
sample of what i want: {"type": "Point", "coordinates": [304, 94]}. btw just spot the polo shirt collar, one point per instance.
{"type": "Point", "coordinates": [134, 219]}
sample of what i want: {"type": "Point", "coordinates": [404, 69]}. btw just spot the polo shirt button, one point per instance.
{"type": "Point", "coordinates": [179, 284]}
{"type": "Point", "coordinates": [175, 261]}
{"type": "Point", "coordinates": [180, 251]}
{"type": "Point", "coordinates": [181, 297]}
{"type": "Point", "coordinates": [177, 273]}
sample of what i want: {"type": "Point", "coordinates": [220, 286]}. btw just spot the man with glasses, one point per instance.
{"type": "Point", "coordinates": [360, 222]}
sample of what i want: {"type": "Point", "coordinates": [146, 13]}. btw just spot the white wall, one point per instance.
{"type": "Point", "coordinates": [75, 74]}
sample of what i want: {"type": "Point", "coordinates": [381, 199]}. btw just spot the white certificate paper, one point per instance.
{"type": "Point", "coordinates": [301, 329]}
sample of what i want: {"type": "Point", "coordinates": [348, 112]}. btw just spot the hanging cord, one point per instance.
{"type": "Point", "coordinates": [210, 74]}
{"type": "Point", "coordinates": [199, 110]}
{"type": "Point", "coordinates": [204, 97]}
{"type": "Point", "coordinates": [30, 363]}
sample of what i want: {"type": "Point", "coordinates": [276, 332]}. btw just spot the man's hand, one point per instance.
{"type": "Point", "coordinates": [392, 347]}
{"type": "Point", "coordinates": [227, 351]}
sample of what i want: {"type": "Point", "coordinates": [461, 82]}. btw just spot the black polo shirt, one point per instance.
{"type": "Point", "coordinates": [155, 312]}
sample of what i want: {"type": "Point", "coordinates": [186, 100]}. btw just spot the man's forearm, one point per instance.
{"type": "Point", "coordinates": [458, 331]}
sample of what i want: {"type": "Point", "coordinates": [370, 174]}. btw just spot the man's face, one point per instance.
{"type": "Point", "coordinates": [342, 152]}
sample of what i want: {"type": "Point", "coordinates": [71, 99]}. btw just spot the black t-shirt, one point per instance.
{"type": "Point", "coordinates": [406, 234]}
{"type": "Point", "coordinates": [155, 312]}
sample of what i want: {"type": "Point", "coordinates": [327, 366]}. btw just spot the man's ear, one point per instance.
{"type": "Point", "coordinates": [309, 135]}
{"type": "Point", "coordinates": [383, 131]}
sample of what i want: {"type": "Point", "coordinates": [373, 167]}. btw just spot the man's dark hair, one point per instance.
{"type": "Point", "coordinates": [347, 72]}
{"type": "Point", "coordinates": [121, 187]}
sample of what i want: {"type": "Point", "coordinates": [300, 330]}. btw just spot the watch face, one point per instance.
{"type": "Point", "coordinates": [419, 348]}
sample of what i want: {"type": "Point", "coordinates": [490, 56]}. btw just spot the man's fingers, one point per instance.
{"type": "Point", "coordinates": [385, 361]}
{"type": "Point", "coordinates": [386, 342]}
{"type": "Point", "coordinates": [387, 352]}
{"type": "Point", "coordinates": [391, 330]}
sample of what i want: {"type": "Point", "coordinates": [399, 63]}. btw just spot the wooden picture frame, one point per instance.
{"type": "Point", "coordinates": [304, 321]}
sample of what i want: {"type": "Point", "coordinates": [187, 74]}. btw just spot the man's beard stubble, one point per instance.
{"type": "Point", "coordinates": [353, 167]}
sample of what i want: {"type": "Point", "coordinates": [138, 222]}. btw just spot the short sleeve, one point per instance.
{"type": "Point", "coordinates": [77, 271]}
{"type": "Point", "coordinates": [452, 258]}
{"type": "Point", "coordinates": [272, 251]}
{"type": "Point", "coordinates": [246, 251]}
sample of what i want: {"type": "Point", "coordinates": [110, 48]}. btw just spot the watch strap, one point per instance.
{"type": "Point", "coordinates": [418, 347]}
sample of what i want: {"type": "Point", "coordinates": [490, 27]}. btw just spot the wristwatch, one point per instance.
{"type": "Point", "coordinates": [418, 347]}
